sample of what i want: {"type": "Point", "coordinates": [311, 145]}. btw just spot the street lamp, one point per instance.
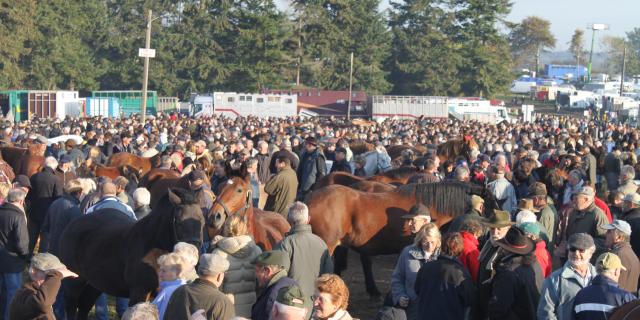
{"type": "Point", "coordinates": [594, 27]}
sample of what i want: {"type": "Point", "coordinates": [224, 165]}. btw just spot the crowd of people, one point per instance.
{"type": "Point", "coordinates": [563, 243]}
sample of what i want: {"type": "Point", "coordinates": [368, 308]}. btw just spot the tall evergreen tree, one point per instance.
{"type": "Point", "coordinates": [17, 30]}
{"type": "Point", "coordinates": [486, 67]}
{"type": "Point", "coordinates": [425, 59]}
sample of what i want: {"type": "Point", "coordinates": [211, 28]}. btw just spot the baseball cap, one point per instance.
{"type": "Point", "coordinates": [531, 228]}
{"type": "Point", "coordinates": [46, 262]}
{"type": "Point", "coordinates": [273, 258]}
{"type": "Point", "coordinates": [587, 191]}
{"type": "Point", "coordinates": [633, 198]}
{"type": "Point", "coordinates": [484, 157]}
{"type": "Point", "coordinates": [341, 149]}
{"type": "Point", "coordinates": [211, 263]}
{"type": "Point", "coordinates": [581, 241]}
{"type": "Point", "coordinates": [609, 261]}
{"type": "Point", "coordinates": [619, 225]}
{"type": "Point", "coordinates": [65, 158]}
{"type": "Point", "coordinates": [292, 296]}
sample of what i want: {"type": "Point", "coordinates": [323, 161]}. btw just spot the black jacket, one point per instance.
{"type": "Point", "coordinates": [264, 160]}
{"type": "Point", "coordinates": [515, 288]}
{"type": "Point", "coordinates": [60, 213]}
{"type": "Point", "coordinates": [342, 166]}
{"type": "Point", "coordinates": [261, 309]}
{"type": "Point", "coordinates": [445, 289]}
{"type": "Point", "coordinates": [45, 187]}
{"type": "Point", "coordinates": [14, 239]}
{"type": "Point", "coordinates": [312, 168]}
{"type": "Point", "coordinates": [633, 218]}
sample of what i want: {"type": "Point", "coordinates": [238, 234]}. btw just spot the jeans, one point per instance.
{"type": "Point", "coordinates": [58, 306]}
{"type": "Point", "coordinates": [9, 284]}
{"type": "Point", "coordinates": [102, 308]}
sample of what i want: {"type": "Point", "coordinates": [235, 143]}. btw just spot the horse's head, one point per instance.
{"type": "Point", "coordinates": [187, 219]}
{"type": "Point", "coordinates": [133, 175]}
{"type": "Point", "coordinates": [234, 199]}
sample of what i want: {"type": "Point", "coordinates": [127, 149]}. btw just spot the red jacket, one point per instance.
{"type": "Point", "coordinates": [470, 254]}
{"type": "Point", "coordinates": [602, 205]}
{"type": "Point", "coordinates": [544, 258]}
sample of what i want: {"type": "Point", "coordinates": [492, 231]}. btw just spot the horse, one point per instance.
{"type": "Point", "coordinates": [267, 228]}
{"type": "Point", "coordinates": [395, 176]}
{"type": "Point", "coordinates": [26, 161]}
{"type": "Point", "coordinates": [360, 147]}
{"type": "Point", "coordinates": [157, 174]}
{"type": "Point", "coordinates": [455, 148]}
{"type": "Point", "coordinates": [144, 164]}
{"type": "Point", "coordinates": [372, 186]}
{"type": "Point", "coordinates": [111, 253]}
{"type": "Point", "coordinates": [395, 151]}
{"type": "Point", "coordinates": [160, 186]}
{"type": "Point", "coordinates": [372, 224]}
{"type": "Point", "coordinates": [627, 311]}
{"type": "Point", "coordinates": [132, 174]}
{"type": "Point", "coordinates": [338, 177]}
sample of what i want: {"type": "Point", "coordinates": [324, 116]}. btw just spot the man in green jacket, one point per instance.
{"type": "Point", "coordinates": [202, 297]}
{"type": "Point", "coordinates": [281, 188]}
{"type": "Point", "coordinates": [307, 252]}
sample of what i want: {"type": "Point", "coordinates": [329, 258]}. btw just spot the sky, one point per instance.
{"type": "Point", "coordinates": [568, 15]}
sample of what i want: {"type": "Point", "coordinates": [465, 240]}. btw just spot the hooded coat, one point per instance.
{"type": "Point", "coordinates": [240, 279]}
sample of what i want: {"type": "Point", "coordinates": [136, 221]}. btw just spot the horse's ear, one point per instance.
{"type": "Point", "coordinates": [125, 170]}
{"type": "Point", "coordinates": [174, 198]}
{"type": "Point", "coordinates": [249, 199]}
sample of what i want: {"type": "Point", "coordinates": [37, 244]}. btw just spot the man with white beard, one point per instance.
{"type": "Point", "coordinates": [560, 288]}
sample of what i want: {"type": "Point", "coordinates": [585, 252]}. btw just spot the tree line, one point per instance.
{"type": "Point", "coordinates": [420, 47]}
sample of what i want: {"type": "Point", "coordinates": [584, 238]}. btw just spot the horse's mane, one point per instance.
{"type": "Point", "coordinates": [448, 197]}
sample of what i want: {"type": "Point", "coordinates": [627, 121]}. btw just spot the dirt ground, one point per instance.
{"type": "Point", "coordinates": [360, 305]}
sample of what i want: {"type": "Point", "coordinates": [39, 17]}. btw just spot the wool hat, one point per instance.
{"type": "Point", "coordinates": [537, 189]}
{"type": "Point", "coordinates": [212, 263]}
{"type": "Point", "coordinates": [46, 262]}
{"type": "Point", "coordinates": [619, 225]}
{"type": "Point", "coordinates": [586, 191]}
{"type": "Point", "coordinates": [273, 258]}
{"type": "Point", "coordinates": [582, 241]}
{"type": "Point", "coordinates": [65, 158]}
{"type": "Point", "coordinates": [633, 198]}
{"type": "Point", "coordinates": [609, 261]}
{"type": "Point", "coordinates": [516, 241]}
{"type": "Point", "coordinates": [499, 219]}
{"type": "Point", "coordinates": [531, 228]}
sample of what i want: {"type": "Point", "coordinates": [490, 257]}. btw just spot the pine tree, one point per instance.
{"type": "Point", "coordinates": [16, 31]}
{"type": "Point", "coordinates": [425, 59]}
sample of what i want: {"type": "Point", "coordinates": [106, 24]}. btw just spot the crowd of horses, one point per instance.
{"type": "Point", "coordinates": [116, 255]}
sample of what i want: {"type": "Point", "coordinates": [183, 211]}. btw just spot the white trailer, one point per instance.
{"type": "Point", "coordinates": [487, 114]}
{"type": "Point", "coordinates": [407, 107]}
{"type": "Point", "coordinates": [234, 104]}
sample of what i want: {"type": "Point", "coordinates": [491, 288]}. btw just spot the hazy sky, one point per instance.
{"type": "Point", "coordinates": [568, 15]}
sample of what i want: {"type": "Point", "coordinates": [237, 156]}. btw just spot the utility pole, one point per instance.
{"type": "Point", "coordinates": [350, 86]}
{"type": "Point", "coordinates": [624, 56]}
{"type": "Point", "coordinates": [594, 27]}
{"type": "Point", "coordinates": [146, 70]}
{"type": "Point", "coordinates": [299, 51]}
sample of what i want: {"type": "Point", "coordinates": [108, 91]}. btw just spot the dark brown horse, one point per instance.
{"type": "Point", "coordinates": [144, 164]}
{"type": "Point", "coordinates": [157, 174]}
{"type": "Point", "coordinates": [395, 151]}
{"type": "Point", "coordinates": [452, 149]}
{"type": "Point", "coordinates": [628, 311]}
{"type": "Point", "coordinates": [114, 254]}
{"type": "Point", "coordinates": [158, 189]}
{"type": "Point", "coordinates": [267, 228]}
{"type": "Point", "coordinates": [372, 224]}
{"type": "Point", "coordinates": [360, 147]}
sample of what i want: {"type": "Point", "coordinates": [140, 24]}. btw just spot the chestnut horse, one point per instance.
{"type": "Point", "coordinates": [267, 228]}
{"type": "Point", "coordinates": [115, 254]}
{"type": "Point", "coordinates": [394, 176]}
{"type": "Point", "coordinates": [132, 174]}
{"type": "Point", "coordinates": [395, 151]}
{"type": "Point", "coordinates": [26, 161]}
{"type": "Point", "coordinates": [144, 164]}
{"type": "Point", "coordinates": [627, 311]}
{"type": "Point", "coordinates": [372, 224]}
{"type": "Point", "coordinates": [455, 148]}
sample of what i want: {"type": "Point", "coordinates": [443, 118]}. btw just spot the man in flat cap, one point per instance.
{"type": "Point", "coordinates": [312, 167]}
{"type": "Point", "coordinates": [271, 272]}
{"type": "Point", "coordinates": [291, 304]}
{"type": "Point", "coordinates": [202, 296]}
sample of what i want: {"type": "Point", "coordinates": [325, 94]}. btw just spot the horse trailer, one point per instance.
{"type": "Point", "coordinates": [232, 104]}
{"type": "Point", "coordinates": [20, 105]}
{"type": "Point", "coordinates": [408, 107]}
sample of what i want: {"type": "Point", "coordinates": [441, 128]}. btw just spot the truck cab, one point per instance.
{"type": "Point", "coordinates": [201, 105]}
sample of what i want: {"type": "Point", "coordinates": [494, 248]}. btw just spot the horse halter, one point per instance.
{"type": "Point", "coordinates": [239, 212]}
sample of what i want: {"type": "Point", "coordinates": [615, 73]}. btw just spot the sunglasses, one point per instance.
{"type": "Point", "coordinates": [574, 249]}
